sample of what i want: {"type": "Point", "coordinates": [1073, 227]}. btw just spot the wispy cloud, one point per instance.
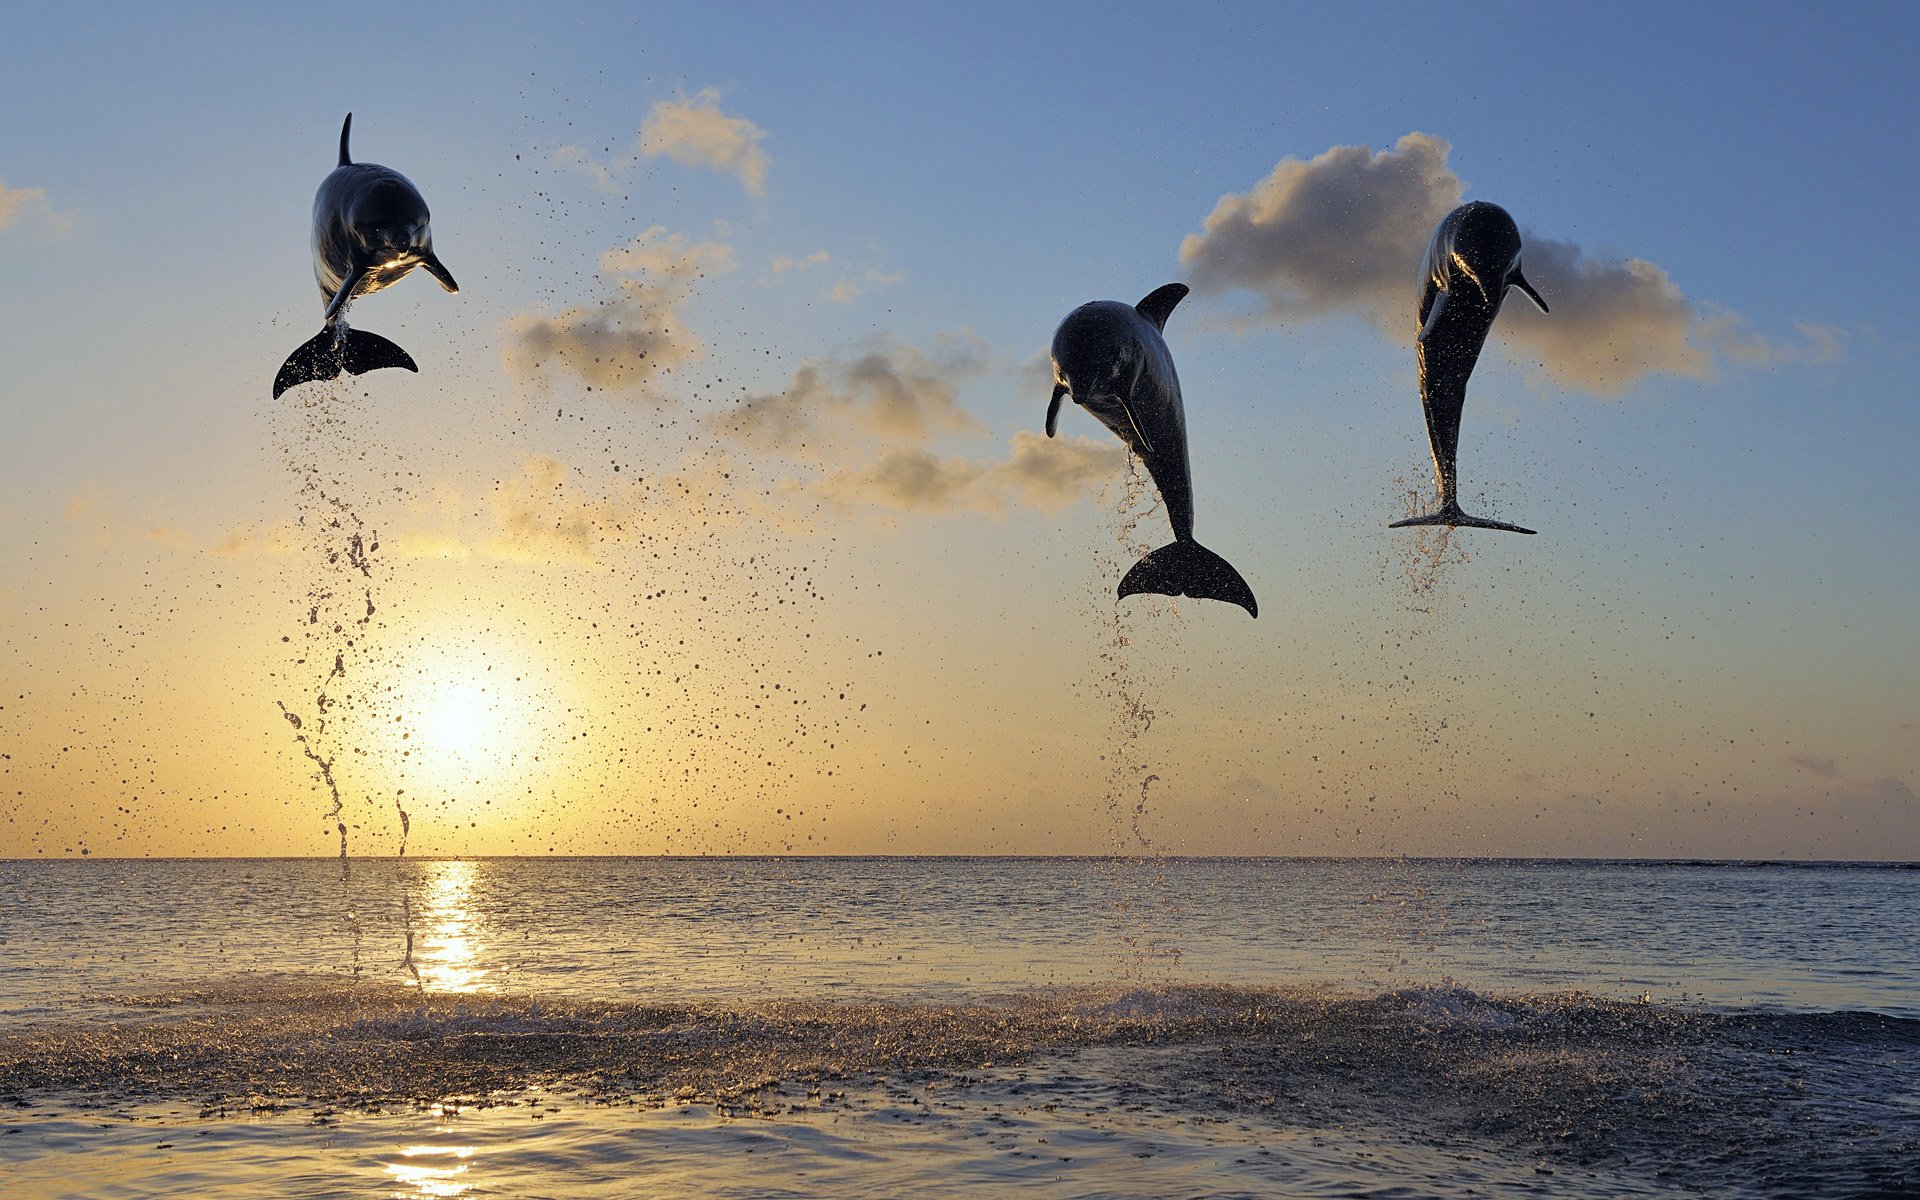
{"type": "Point", "coordinates": [1826, 768]}
{"type": "Point", "coordinates": [98, 511]}
{"type": "Point", "coordinates": [882, 388]}
{"type": "Point", "coordinates": [782, 265]}
{"type": "Point", "coordinates": [861, 427]}
{"type": "Point", "coordinates": [691, 131]}
{"type": "Point", "coordinates": [695, 132]}
{"type": "Point", "coordinates": [29, 208]}
{"type": "Point", "coordinates": [626, 340]}
{"type": "Point", "coordinates": [852, 285]}
{"type": "Point", "coordinates": [551, 513]}
{"type": "Point", "coordinates": [1038, 472]}
{"type": "Point", "coordinates": [1345, 232]}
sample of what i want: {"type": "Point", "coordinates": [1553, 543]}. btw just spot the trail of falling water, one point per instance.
{"type": "Point", "coordinates": [406, 915]}
{"type": "Point", "coordinates": [1422, 574]}
{"type": "Point", "coordinates": [1134, 870]}
{"type": "Point", "coordinates": [341, 539]}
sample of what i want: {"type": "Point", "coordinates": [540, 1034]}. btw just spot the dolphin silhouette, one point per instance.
{"type": "Point", "coordinates": [1111, 358]}
{"type": "Point", "coordinates": [370, 227]}
{"type": "Point", "coordinates": [1473, 259]}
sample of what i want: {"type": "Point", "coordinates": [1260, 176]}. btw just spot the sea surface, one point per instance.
{"type": "Point", "coordinates": [867, 1027]}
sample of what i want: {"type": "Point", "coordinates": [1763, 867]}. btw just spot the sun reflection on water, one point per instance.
{"type": "Point", "coordinates": [448, 953]}
{"type": "Point", "coordinates": [436, 1174]}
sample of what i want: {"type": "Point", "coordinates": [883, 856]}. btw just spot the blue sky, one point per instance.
{"type": "Point", "coordinates": [1726, 562]}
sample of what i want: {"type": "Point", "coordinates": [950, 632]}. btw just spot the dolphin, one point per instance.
{"type": "Point", "coordinates": [1111, 358]}
{"type": "Point", "coordinates": [1473, 259]}
{"type": "Point", "coordinates": [370, 227]}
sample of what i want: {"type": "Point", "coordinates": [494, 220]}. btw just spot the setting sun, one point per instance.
{"type": "Point", "coordinates": [462, 720]}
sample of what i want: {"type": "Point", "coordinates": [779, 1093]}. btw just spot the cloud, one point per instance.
{"type": "Point", "coordinates": [549, 513]}
{"type": "Point", "coordinates": [851, 286]}
{"type": "Point", "coordinates": [882, 388]}
{"type": "Point", "coordinates": [96, 509]}
{"type": "Point", "coordinates": [855, 279]}
{"type": "Point", "coordinates": [1038, 472]}
{"type": "Point", "coordinates": [30, 207]}
{"type": "Point", "coordinates": [695, 132]}
{"type": "Point", "coordinates": [539, 521]}
{"type": "Point", "coordinates": [1346, 232]}
{"type": "Point", "coordinates": [860, 428]}
{"type": "Point", "coordinates": [626, 340]}
{"type": "Point", "coordinates": [1885, 793]}
{"type": "Point", "coordinates": [692, 132]}
{"type": "Point", "coordinates": [1826, 768]}
{"type": "Point", "coordinates": [544, 516]}
{"type": "Point", "coordinates": [274, 541]}
{"type": "Point", "coordinates": [577, 158]}
{"type": "Point", "coordinates": [782, 265]}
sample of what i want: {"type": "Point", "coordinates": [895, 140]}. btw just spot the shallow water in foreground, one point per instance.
{"type": "Point", "coordinates": [871, 1027]}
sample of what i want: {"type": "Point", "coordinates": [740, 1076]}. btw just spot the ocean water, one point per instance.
{"type": "Point", "coordinates": [878, 1027]}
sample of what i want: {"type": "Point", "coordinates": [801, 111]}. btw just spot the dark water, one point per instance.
{"type": "Point", "coordinates": [872, 1026]}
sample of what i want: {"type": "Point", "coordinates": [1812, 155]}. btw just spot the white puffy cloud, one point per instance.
{"type": "Point", "coordinates": [695, 132]}
{"type": "Point", "coordinates": [1346, 231]}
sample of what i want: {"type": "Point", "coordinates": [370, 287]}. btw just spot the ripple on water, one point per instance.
{"type": "Point", "coordinates": [1198, 1089]}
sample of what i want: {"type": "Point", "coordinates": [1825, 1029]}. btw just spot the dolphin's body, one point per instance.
{"type": "Point", "coordinates": [1473, 259]}
{"type": "Point", "coordinates": [1111, 358]}
{"type": "Point", "coordinates": [370, 227]}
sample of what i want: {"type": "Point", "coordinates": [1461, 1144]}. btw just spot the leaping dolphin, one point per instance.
{"type": "Point", "coordinates": [370, 227]}
{"type": "Point", "coordinates": [1473, 259]}
{"type": "Point", "coordinates": [1111, 358]}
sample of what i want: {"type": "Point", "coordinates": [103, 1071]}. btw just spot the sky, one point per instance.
{"type": "Point", "coordinates": [720, 517]}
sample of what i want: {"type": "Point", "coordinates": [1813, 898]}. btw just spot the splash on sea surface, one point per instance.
{"type": "Point", "coordinates": [1651, 1096]}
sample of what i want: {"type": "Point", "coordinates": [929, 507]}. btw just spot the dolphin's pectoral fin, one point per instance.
{"type": "Point", "coordinates": [1145, 445]}
{"type": "Point", "coordinates": [1450, 514]}
{"type": "Point", "coordinates": [362, 352]}
{"type": "Point", "coordinates": [341, 298]}
{"type": "Point", "coordinates": [1187, 568]}
{"type": "Point", "coordinates": [439, 272]}
{"type": "Point", "coordinates": [1053, 407]}
{"type": "Point", "coordinates": [1520, 281]}
{"type": "Point", "coordinates": [316, 358]}
{"type": "Point", "coordinates": [1433, 315]}
{"type": "Point", "coordinates": [1158, 304]}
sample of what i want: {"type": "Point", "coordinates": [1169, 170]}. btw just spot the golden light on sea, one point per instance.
{"type": "Point", "coordinates": [448, 951]}
{"type": "Point", "coordinates": [431, 1171]}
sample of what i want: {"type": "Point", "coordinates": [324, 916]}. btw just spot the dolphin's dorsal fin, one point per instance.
{"type": "Point", "coordinates": [344, 127]}
{"type": "Point", "coordinates": [1159, 303]}
{"type": "Point", "coordinates": [1433, 314]}
{"type": "Point", "coordinates": [1053, 407]}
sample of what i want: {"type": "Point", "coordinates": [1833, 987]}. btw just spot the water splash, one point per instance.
{"type": "Point", "coordinates": [1134, 870]}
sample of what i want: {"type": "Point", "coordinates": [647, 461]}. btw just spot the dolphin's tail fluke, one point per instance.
{"type": "Point", "coordinates": [329, 352]}
{"type": "Point", "coordinates": [1450, 514]}
{"type": "Point", "coordinates": [1186, 568]}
